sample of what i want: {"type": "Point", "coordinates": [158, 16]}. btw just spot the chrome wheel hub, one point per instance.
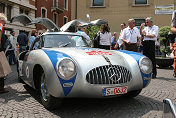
{"type": "Point", "coordinates": [44, 90]}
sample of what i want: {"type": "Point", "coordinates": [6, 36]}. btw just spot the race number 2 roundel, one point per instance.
{"type": "Point", "coordinates": [27, 72]}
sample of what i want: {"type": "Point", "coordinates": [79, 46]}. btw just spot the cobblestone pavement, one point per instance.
{"type": "Point", "coordinates": [23, 102]}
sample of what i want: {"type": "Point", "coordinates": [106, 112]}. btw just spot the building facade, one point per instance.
{"type": "Point", "coordinates": [59, 11]}
{"type": "Point", "coordinates": [15, 7]}
{"type": "Point", "coordinates": [119, 11]}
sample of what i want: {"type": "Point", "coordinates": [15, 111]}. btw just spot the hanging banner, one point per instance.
{"type": "Point", "coordinates": [164, 9]}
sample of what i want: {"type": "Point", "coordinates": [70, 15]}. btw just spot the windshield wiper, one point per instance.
{"type": "Point", "coordinates": [64, 44]}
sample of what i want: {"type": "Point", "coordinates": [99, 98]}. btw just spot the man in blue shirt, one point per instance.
{"type": "Point", "coordinates": [22, 40]}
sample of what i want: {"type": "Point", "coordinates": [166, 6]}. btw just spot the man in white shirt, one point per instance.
{"type": "Point", "coordinates": [150, 34]}
{"type": "Point", "coordinates": [130, 36]}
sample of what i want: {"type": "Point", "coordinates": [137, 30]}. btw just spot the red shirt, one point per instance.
{"type": "Point", "coordinates": [1, 28]}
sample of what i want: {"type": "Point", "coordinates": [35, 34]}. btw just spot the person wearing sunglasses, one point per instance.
{"type": "Point", "coordinates": [82, 31]}
{"type": "Point", "coordinates": [150, 34]}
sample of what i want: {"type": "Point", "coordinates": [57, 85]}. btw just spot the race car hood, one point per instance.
{"type": "Point", "coordinates": [100, 56]}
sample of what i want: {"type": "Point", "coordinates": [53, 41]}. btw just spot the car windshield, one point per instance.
{"type": "Point", "coordinates": [60, 40]}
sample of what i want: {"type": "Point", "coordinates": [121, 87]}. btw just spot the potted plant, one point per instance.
{"type": "Point", "coordinates": [164, 60]}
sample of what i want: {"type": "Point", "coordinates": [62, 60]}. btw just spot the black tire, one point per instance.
{"type": "Point", "coordinates": [132, 94]}
{"type": "Point", "coordinates": [48, 101]}
{"type": "Point", "coordinates": [20, 80]}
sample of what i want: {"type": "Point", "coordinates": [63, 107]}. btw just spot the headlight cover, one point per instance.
{"type": "Point", "coordinates": [66, 69]}
{"type": "Point", "coordinates": [145, 65]}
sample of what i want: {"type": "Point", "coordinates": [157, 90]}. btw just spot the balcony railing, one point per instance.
{"type": "Point", "coordinates": [57, 7]}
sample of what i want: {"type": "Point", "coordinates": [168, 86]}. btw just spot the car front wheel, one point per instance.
{"type": "Point", "coordinates": [48, 101]}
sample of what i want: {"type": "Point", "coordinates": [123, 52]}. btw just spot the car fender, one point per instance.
{"type": "Point", "coordinates": [39, 57]}
{"type": "Point", "coordinates": [146, 78]}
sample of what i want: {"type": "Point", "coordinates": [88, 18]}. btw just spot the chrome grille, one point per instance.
{"type": "Point", "coordinates": [109, 74]}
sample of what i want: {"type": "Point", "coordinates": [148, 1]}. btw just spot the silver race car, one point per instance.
{"type": "Point", "coordinates": [63, 66]}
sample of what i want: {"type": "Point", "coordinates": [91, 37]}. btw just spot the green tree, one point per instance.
{"type": "Point", "coordinates": [163, 39]}
{"type": "Point", "coordinates": [92, 31]}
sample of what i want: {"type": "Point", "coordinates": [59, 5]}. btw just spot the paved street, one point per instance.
{"type": "Point", "coordinates": [23, 102]}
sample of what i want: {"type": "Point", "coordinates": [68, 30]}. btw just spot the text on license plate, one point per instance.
{"type": "Point", "coordinates": [114, 90]}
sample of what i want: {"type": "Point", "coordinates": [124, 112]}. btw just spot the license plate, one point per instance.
{"type": "Point", "coordinates": [114, 90]}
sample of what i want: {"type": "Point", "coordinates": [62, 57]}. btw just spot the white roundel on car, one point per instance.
{"type": "Point", "coordinates": [27, 72]}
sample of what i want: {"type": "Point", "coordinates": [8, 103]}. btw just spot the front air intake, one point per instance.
{"type": "Point", "coordinates": [109, 74]}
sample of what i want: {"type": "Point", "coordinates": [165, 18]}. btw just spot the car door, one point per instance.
{"type": "Point", "coordinates": [30, 61]}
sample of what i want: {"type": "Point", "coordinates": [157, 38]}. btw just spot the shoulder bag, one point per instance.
{"type": "Point", "coordinates": [96, 40]}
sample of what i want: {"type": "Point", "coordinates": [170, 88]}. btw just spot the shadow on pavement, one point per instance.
{"type": "Point", "coordinates": [12, 77]}
{"type": "Point", "coordinates": [166, 68]}
{"type": "Point", "coordinates": [166, 79]}
{"type": "Point", "coordinates": [15, 95]}
{"type": "Point", "coordinates": [108, 108]}
{"type": "Point", "coordinates": [34, 93]}
{"type": "Point", "coordinates": [119, 107]}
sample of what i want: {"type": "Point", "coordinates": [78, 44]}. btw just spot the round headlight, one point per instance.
{"type": "Point", "coordinates": [145, 65]}
{"type": "Point", "coordinates": [66, 69]}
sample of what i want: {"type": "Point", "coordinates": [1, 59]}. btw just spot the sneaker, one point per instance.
{"type": "Point", "coordinates": [4, 91]}
{"type": "Point", "coordinates": [174, 74]}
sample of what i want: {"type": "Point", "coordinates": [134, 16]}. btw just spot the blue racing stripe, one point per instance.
{"type": "Point", "coordinates": [54, 56]}
{"type": "Point", "coordinates": [137, 57]}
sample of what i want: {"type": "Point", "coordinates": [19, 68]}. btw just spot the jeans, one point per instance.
{"type": "Point", "coordinates": [12, 57]}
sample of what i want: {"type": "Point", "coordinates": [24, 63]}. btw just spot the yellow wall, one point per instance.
{"type": "Point", "coordinates": [118, 11]}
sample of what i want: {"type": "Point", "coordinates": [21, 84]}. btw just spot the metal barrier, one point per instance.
{"type": "Point", "coordinates": [168, 109]}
